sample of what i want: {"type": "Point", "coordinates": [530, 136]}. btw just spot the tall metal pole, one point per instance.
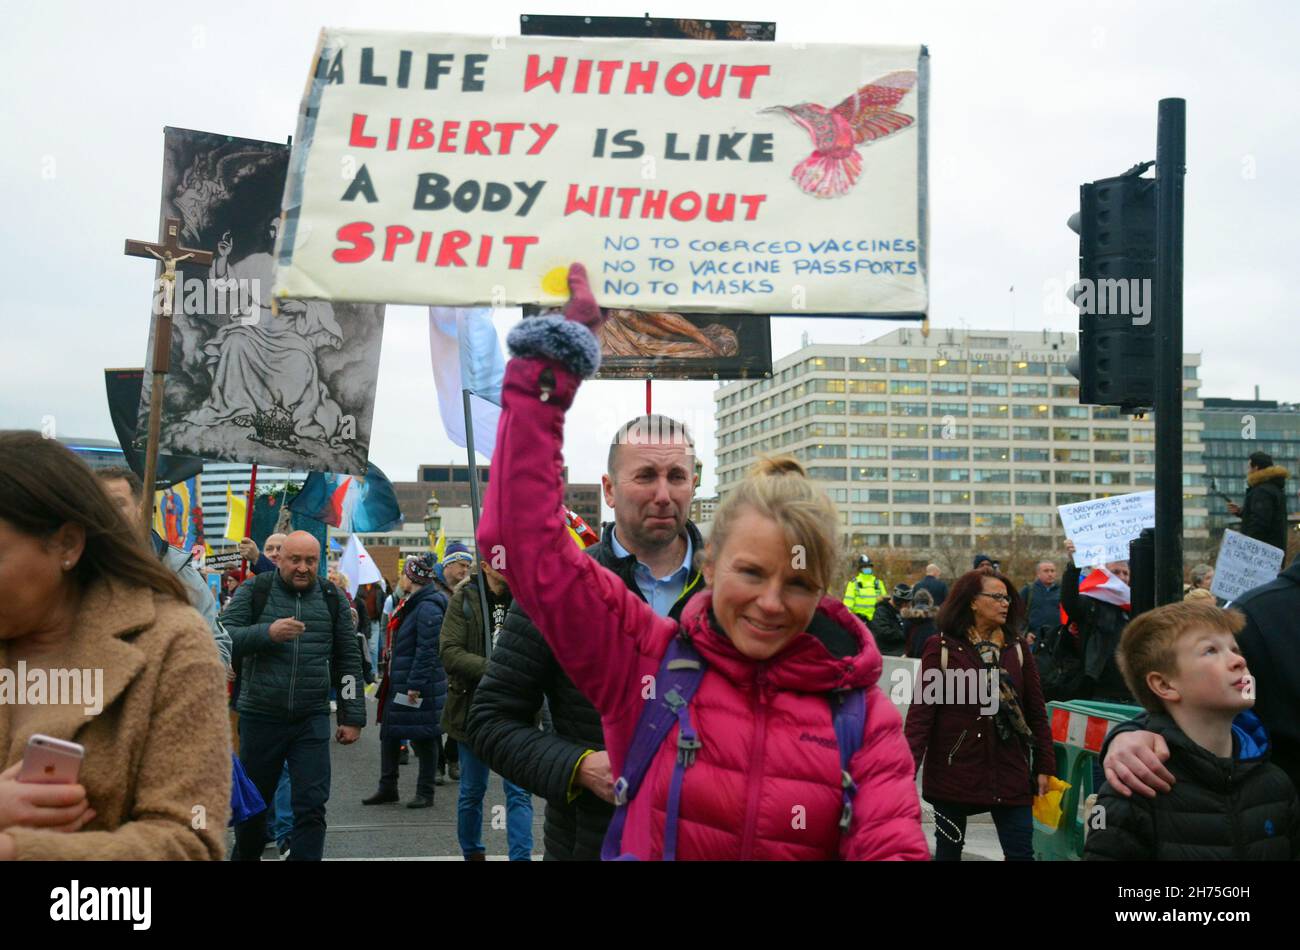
{"type": "Point", "coordinates": [1171, 167]}
{"type": "Point", "coordinates": [474, 507]}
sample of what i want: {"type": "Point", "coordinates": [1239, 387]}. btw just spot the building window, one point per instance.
{"type": "Point", "coordinates": [1070, 498]}
{"type": "Point", "coordinates": [910, 475]}
{"type": "Point", "coordinates": [868, 364]}
{"type": "Point", "coordinates": [1122, 478]}
{"type": "Point", "coordinates": [860, 407]}
{"type": "Point", "coordinates": [951, 453]}
{"type": "Point", "coordinates": [989, 368]}
{"type": "Point", "coordinates": [910, 409]}
{"type": "Point", "coordinates": [952, 519]}
{"type": "Point", "coordinates": [1037, 519]}
{"type": "Point", "coordinates": [866, 385]}
{"type": "Point", "coordinates": [1111, 456]}
{"type": "Point", "coordinates": [869, 474]}
{"type": "Point", "coordinates": [1028, 368]}
{"type": "Point", "coordinates": [1071, 434]}
{"type": "Point", "coordinates": [870, 541]}
{"type": "Point", "coordinates": [1189, 372]}
{"type": "Point", "coordinates": [988, 389]}
{"type": "Point", "coordinates": [907, 387]}
{"type": "Point", "coordinates": [1114, 435]}
{"type": "Point", "coordinates": [907, 366]}
{"type": "Point", "coordinates": [1032, 390]}
{"type": "Point", "coordinates": [1073, 477]}
{"type": "Point", "coordinates": [991, 432]}
{"type": "Point", "coordinates": [828, 407]}
{"type": "Point", "coordinates": [868, 430]}
{"type": "Point", "coordinates": [827, 473]}
{"type": "Point", "coordinates": [838, 495]}
{"type": "Point", "coordinates": [944, 388]}
{"type": "Point", "coordinates": [1070, 455]}
{"type": "Point", "coordinates": [823, 363]}
{"type": "Point", "coordinates": [911, 496]}
{"type": "Point", "coordinates": [986, 410]}
{"type": "Point", "coordinates": [869, 518]}
{"type": "Point", "coordinates": [1143, 457]}
{"type": "Point", "coordinates": [910, 453]}
{"type": "Point", "coordinates": [948, 432]}
{"type": "Point", "coordinates": [953, 367]}
{"type": "Point", "coordinates": [1106, 412]}
{"type": "Point", "coordinates": [957, 409]}
{"type": "Point", "coordinates": [1033, 476]}
{"type": "Point", "coordinates": [952, 498]}
{"type": "Point", "coordinates": [1065, 391]}
{"type": "Point", "coordinates": [988, 520]}
{"type": "Point", "coordinates": [991, 453]}
{"type": "Point", "coordinates": [906, 430]}
{"type": "Point", "coordinates": [823, 450]}
{"type": "Point", "coordinates": [952, 475]}
{"type": "Point", "coordinates": [993, 498]}
{"type": "Point", "coordinates": [1033, 498]}
{"type": "Point", "coordinates": [824, 386]}
{"type": "Point", "coordinates": [1029, 411]}
{"type": "Point", "coordinates": [1031, 433]}
{"type": "Point", "coordinates": [869, 451]}
{"type": "Point", "coordinates": [1144, 478]}
{"type": "Point", "coordinates": [825, 429]}
{"type": "Point", "coordinates": [911, 540]}
{"type": "Point", "coordinates": [1070, 412]}
{"type": "Point", "coordinates": [1059, 369]}
{"type": "Point", "coordinates": [1145, 434]}
{"type": "Point", "coordinates": [869, 496]}
{"type": "Point", "coordinates": [912, 519]}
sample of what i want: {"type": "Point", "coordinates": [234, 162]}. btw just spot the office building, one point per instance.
{"type": "Point", "coordinates": [958, 439]}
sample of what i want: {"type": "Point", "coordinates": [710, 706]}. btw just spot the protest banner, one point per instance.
{"type": "Point", "coordinates": [687, 175]}
{"type": "Point", "coordinates": [1244, 563]}
{"type": "Point", "coordinates": [294, 387]}
{"type": "Point", "coordinates": [1101, 528]}
{"type": "Point", "coordinates": [224, 562]}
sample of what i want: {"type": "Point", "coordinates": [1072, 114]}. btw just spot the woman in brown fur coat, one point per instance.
{"type": "Point", "coordinates": [86, 601]}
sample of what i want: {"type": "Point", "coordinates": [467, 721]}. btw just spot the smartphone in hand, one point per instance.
{"type": "Point", "coordinates": [49, 761]}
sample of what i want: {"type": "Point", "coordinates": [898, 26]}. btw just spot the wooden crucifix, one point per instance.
{"type": "Point", "coordinates": [170, 253]}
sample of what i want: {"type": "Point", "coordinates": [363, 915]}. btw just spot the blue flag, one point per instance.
{"type": "Point", "coordinates": [348, 502]}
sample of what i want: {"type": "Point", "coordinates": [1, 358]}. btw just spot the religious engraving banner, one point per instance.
{"type": "Point", "coordinates": [687, 175]}
{"type": "Point", "coordinates": [292, 385]}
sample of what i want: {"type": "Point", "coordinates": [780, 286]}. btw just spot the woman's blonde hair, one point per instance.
{"type": "Point", "coordinates": [780, 489]}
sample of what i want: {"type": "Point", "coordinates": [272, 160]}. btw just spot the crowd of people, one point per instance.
{"type": "Point", "coordinates": [669, 695]}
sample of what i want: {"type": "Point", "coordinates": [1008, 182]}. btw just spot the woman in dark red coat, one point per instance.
{"type": "Point", "coordinates": [978, 721]}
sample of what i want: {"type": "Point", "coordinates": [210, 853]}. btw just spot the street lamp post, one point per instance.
{"type": "Point", "coordinates": [432, 519]}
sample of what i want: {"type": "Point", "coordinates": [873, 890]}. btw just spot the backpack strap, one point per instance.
{"type": "Point", "coordinates": [331, 595]}
{"type": "Point", "coordinates": [678, 678]}
{"type": "Point", "coordinates": [261, 591]}
{"type": "Point", "coordinates": [849, 718]}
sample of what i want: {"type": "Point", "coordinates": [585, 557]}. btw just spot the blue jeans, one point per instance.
{"type": "Point", "coordinates": [1015, 825]}
{"type": "Point", "coordinates": [469, 810]}
{"type": "Point", "coordinates": [264, 747]}
{"type": "Point", "coordinates": [283, 823]}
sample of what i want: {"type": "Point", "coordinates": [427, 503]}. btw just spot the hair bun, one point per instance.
{"type": "Point", "coordinates": [778, 465]}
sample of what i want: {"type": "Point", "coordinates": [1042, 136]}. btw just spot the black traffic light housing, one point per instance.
{"type": "Point", "coordinates": [1116, 225]}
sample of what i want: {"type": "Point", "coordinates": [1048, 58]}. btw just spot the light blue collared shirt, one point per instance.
{"type": "Point", "coordinates": [659, 592]}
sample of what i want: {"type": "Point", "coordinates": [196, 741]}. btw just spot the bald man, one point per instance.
{"type": "Point", "coordinates": [931, 582]}
{"type": "Point", "coordinates": [293, 633]}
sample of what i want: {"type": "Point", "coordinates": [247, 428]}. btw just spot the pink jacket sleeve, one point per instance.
{"type": "Point", "coordinates": [886, 822]}
{"type": "Point", "coordinates": [598, 628]}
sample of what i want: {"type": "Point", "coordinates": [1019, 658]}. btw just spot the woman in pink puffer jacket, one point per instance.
{"type": "Point", "coordinates": [766, 784]}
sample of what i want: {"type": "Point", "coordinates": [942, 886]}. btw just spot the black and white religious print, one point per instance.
{"type": "Point", "coordinates": [292, 384]}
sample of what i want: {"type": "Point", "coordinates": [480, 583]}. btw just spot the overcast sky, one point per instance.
{"type": "Point", "coordinates": [1028, 100]}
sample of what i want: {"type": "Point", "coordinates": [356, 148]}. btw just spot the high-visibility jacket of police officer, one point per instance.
{"type": "Point", "coordinates": [864, 592]}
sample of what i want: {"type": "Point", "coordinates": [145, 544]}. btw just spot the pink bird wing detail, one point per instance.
{"type": "Point", "coordinates": [870, 110]}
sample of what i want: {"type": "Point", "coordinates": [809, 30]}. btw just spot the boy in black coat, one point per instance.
{"type": "Point", "coordinates": [1229, 802]}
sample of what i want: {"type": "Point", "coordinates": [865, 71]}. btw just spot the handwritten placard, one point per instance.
{"type": "Point", "coordinates": [687, 175]}
{"type": "Point", "coordinates": [1101, 528]}
{"type": "Point", "coordinates": [1243, 564]}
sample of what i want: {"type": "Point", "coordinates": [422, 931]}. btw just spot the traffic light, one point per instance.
{"type": "Point", "coordinates": [1116, 225]}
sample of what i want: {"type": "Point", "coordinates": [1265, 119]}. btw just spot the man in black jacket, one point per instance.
{"type": "Point", "coordinates": [652, 547]}
{"type": "Point", "coordinates": [887, 623]}
{"type": "Point", "coordinates": [1263, 516]}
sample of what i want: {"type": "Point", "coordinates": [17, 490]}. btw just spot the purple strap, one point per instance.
{"type": "Point", "coordinates": [678, 678]}
{"type": "Point", "coordinates": [849, 717]}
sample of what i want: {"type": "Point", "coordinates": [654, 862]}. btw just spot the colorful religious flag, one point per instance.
{"type": "Point", "coordinates": [173, 515]}
{"type": "Point", "coordinates": [350, 503]}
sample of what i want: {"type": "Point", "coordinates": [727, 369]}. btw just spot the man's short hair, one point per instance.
{"type": "Point", "coordinates": [1261, 460]}
{"type": "Point", "coordinates": [649, 430]}
{"type": "Point", "coordinates": [1149, 642]}
{"type": "Point", "coordinates": [113, 472]}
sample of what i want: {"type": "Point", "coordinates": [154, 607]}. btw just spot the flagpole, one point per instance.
{"type": "Point", "coordinates": [474, 508]}
{"type": "Point", "coordinates": [248, 513]}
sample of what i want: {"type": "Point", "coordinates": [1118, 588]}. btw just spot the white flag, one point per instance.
{"type": "Point", "coordinates": [357, 565]}
{"type": "Point", "coordinates": [466, 354]}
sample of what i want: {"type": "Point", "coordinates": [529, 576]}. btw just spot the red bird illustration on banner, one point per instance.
{"type": "Point", "coordinates": [865, 117]}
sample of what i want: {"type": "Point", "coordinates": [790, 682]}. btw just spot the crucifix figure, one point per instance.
{"type": "Point", "coordinates": [170, 253]}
